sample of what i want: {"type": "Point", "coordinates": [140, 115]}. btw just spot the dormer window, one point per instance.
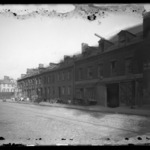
{"type": "Point", "coordinates": [125, 37]}
{"type": "Point", "coordinates": [122, 39]}
{"type": "Point", "coordinates": [104, 44]}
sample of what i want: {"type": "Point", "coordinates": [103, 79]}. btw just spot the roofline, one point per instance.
{"type": "Point", "coordinates": [54, 69]}
{"type": "Point", "coordinates": [127, 32]}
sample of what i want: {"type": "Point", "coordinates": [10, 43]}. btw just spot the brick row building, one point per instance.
{"type": "Point", "coordinates": [111, 74]}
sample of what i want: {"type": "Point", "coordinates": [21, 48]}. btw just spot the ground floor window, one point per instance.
{"type": "Point", "coordinates": [90, 93]}
{"type": "Point", "coordinates": [63, 90]}
{"type": "Point", "coordinates": [69, 90]}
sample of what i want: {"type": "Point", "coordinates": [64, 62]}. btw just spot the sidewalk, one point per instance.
{"type": "Point", "coordinates": [143, 111]}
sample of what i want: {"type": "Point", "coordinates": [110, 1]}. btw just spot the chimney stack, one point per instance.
{"type": "Point", "coordinates": [22, 75]}
{"type": "Point", "coordinates": [146, 25]}
{"type": "Point", "coordinates": [6, 78]}
{"type": "Point", "coordinates": [41, 66]}
{"type": "Point", "coordinates": [84, 46]}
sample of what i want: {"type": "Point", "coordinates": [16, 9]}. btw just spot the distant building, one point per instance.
{"type": "Point", "coordinates": [7, 87]}
{"type": "Point", "coordinates": [7, 84]}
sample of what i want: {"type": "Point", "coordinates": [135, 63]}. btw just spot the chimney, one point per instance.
{"type": "Point", "coordinates": [146, 25]}
{"type": "Point", "coordinates": [29, 71]}
{"type": "Point", "coordinates": [52, 64]}
{"type": "Point", "coordinates": [84, 46]}
{"type": "Point", "coordinates": [66, 57]}
{"type": "Point", "coordinates": [41, 66]}
{"type": "Point", "coordinates": [6, 78]}
{"type": "Point", "coordinates": [23, 75]}
{"type": "Point", "coordinates": [101, 45]}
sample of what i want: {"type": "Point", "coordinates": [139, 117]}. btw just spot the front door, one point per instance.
{"type": "Point", "coordinates": [113, 95]}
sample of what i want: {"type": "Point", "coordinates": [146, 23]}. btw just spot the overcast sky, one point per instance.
{"type": "Point", "coordinates": [35, 34]}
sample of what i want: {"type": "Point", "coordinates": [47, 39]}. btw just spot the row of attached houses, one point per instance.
{"type": "Point", "coordinates": [111, 74]}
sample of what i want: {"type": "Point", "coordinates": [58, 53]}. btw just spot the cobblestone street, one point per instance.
{"type": "Point", "coordinates": [34, 124]}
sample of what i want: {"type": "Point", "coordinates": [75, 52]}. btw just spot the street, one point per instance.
{"type": "Point", "coordinates": [43, 125]}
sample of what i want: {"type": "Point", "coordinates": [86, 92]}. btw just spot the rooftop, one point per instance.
{"type": "Point", "coordinates": [90, 51]}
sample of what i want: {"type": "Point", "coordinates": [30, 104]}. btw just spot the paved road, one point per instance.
{"type": "Point", "coordinates": [33, 124]}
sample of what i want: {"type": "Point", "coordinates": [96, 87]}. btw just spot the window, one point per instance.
{"type": "Point", "coordinates": [68, 75]}
{"type": "Point", "coordinates": [48, 79]}
{"type": "Point", "coordinates": [53, 91]}
{"type": "Point", "coordinates": [91, 93]}
{"type": "Point", "coordinates": [63, 76]}
{"type": "Point", "coordinates": [113, 67]}
{"type": "Point", "coordinates": [80, 73]}
{"type": "Point", "coordinates": [128, 65]}
{"type": "Point", "coordinates": [57, 76]}
{"type": "Point", "coordinates": [90, 73]}
{"type": "Point", "coordinates": [49, 91]}
{"type": "Point", "coordinates": [53, 78]}
{"type": "Point", "coordinates": [100, 70]}
{"type": "Point", "coordinates": [45, 80]}
{"type": "Point", "coordinates": [63, 90]}
{"type": "Point", "coordinates": [69, 90]}
{"type": "Point", "coordinates": [122, 38]}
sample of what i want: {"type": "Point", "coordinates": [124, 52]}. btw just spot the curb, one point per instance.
{"type": "Point", "coordinates": [101, 111]}
{"type": "Point", "coordinates": [85, 109]}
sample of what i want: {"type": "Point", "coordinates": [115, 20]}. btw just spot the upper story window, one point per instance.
{"type": "Point", "coordinates": [100, 70]}
{"type": "Point", "coordinates": [63, 76]}
{"type": "Point", "coordinates": [125, 37]}
{"type": "Point", "coordinates": [57, 76]}
{"type": "Point", "coordinates": [49, 90]}
{"type": "Point", "coordinates": [39, 80]}
{"type": "Point", "coordinates": [90, 72]}
{"type": "Point", "coordinates": [80, 73]}
{"type": "Point", "coordinates": [44, 80]}
{"type": "Point", "coordinates": [113, 67]}
{"type": "Point", "coordinates": [48, 79]}
{"type": "Point", "coordinates": [53, 78]}
{"type": "Point", "coordinates": [36, 81]}
{"type": "Point", "coordinates": [128, 65]}
{"type": "Point", "coordinates": [68, 75]}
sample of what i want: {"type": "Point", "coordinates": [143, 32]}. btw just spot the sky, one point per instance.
{"type": "Point", "coordinates": [39, 34]}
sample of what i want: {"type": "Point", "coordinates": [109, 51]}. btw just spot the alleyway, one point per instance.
{"type": "Point", "coordinates": [34, 124]}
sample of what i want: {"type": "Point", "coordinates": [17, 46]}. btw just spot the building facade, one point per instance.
{"type": "Point", "coordinates": [7, 87]}
{"type": "Point", "coordinates": [54, 81]}
{"type": "Point", "coordinates": [112, 74]}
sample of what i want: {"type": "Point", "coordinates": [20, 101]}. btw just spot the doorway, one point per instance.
{"type": "Point", "coordinates": [113, 95]}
